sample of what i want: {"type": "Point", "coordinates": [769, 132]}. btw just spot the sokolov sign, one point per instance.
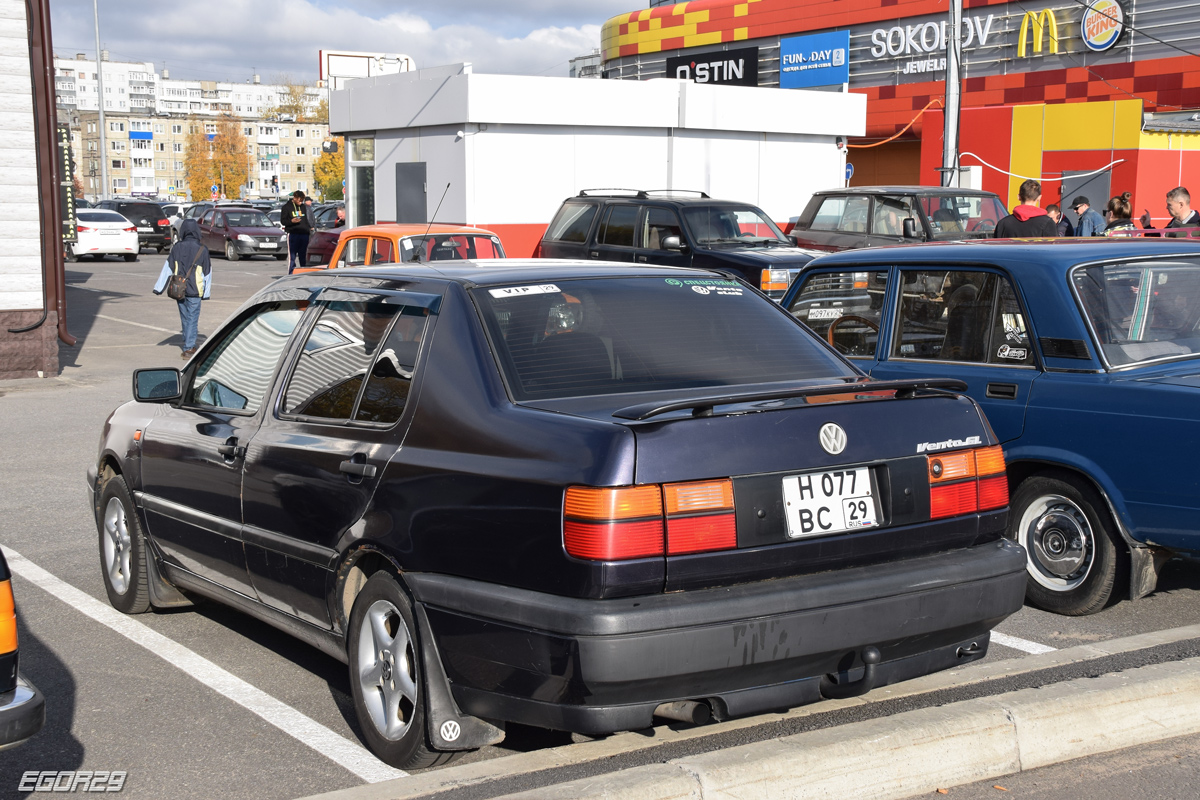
{"type": "Point", "coordinates": [925, 39]}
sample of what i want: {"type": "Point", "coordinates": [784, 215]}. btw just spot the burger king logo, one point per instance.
{"type": "Point", "coordinates": [1102, 24]}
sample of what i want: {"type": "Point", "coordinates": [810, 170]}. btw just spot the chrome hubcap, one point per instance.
{"type": "Point", "coordinates": [387, 670]}
{"type": "Point", "coordinates": [117, 546]}
{"type": "Point", "coordinates": [1059, 542]}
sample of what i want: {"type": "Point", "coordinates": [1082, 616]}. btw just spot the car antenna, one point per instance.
{"type": "Point", "coordinates": [425, 235]}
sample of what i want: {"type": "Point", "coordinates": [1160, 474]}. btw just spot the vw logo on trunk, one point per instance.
{"type": "Point", "coordinates": [833, 438]}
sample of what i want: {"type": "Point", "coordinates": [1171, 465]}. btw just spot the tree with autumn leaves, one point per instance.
{"type": "Point", "coordinates": [330, 171]}
{"type": "Point", "coordinates": [222, 157]}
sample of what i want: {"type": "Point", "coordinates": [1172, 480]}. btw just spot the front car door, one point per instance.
{"type": "Point", "coordinates": [656, 225]}
{"type": "Point", "coordinates": [313, 466]}
{"type": "Point", "coordinates": [193, 453]}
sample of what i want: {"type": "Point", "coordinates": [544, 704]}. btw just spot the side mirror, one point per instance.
{"type": "Point", "coordinates": [673, 243]}
{"type": "Point", "coordinates": [792, 238]}
{"type": "Point", "coordinates": [910, 229]}
{"type": "Point", "coordinates": [156, 385]}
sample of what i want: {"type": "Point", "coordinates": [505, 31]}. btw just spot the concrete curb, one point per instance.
{"type": "Point", "coordinates": [481, 772]}
{"type": "Point", "coordinates": [920, 751]}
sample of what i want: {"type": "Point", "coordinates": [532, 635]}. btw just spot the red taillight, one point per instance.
{"type": "Point", "coordinates": [164, 222]}
{"type": "Point", "coordinates": [980, 482]}
{"type": "Point", "coordinates": [84, 229]}
{"type": "Point", "coordinates": [643, 521]}
{"type": "Point", "coordinates": [130, 229]}
{"type": "Point", "coordinates": [8, 619]}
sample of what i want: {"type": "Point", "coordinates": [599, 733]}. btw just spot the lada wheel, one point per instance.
{"type": "Point", "coordinates": [385, 676]}
{"type": "Point", "coordinates": [122, 549]}
{"type": "Point", "coordinates": [1070, 543]}
{"type": "Point", "coordinates": [231, 252]}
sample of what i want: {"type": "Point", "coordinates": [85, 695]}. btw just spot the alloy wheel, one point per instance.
{"type": "Point", "coordinates": [117, 545]}
{"type": "Point", "coordinates": [387, 670]}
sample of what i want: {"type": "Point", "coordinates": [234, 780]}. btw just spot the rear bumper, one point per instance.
{"type": "Point", "coordinates": [22, 713]}
{"type": "Point", "coordinates": [597, 666]}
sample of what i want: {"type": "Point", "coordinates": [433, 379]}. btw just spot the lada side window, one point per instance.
{"type": "Point", "coordinates": [356, 363]}
{"type": "Point", "coordinates": [658, 225]}
{"type": "Point", "coordinates": [617, 228]}
{"type": "Point", "coordinates": [1010, 342]}
{"type": "Point", "coordinates": [945, 315]}
{"type": "Point", "coordinates": [1142, 311]}
{"type": "Point", "coordinates": [354, 254]}
{"type": "Point", "coordinates": [381, 251]}
{"type": "Point", "coordinates": [842, 214]}
{"type": "Point", "coordinates": [844, 308]}
{"type": "Point", "coordinates": [235, 374]}
{"type": "Point", "coordinates": [572, 223]}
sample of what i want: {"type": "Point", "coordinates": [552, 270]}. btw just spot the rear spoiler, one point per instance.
{"type": "Point", "coordinates": [703, 406]}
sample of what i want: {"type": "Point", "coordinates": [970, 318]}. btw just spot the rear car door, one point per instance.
{"type": "Point", "coordinates": [569, 232]}
{"type": "Point", "coordinates": [314, 464]}
{"type": "Point", "coordinates": [965, 323]}
{"type": "Point", "coordinates": [193, 454]}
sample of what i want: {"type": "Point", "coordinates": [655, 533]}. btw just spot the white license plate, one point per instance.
{"type": "Point", "coordinates": [145, 230]}
{"type": "Point", "coordinates": [269, 244]}
{"type": "Point", "coordinates": [824, 313]}
{"type": "Point", "coordinates": [109, 233]}
{"type": "Point", "coordinates": [821, 503]}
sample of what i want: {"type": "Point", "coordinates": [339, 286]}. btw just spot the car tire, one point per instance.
{"type": "Point", "coordinates": [388, 686]}
{"type": "Point", "coordinates": [122, 549]}
{"type": "Point", "coordinates": [131, 256]}
{"type": "Point", "coordinates": [72, 256]}
{"type": "Point", "coordinates": [1074, 553]}
{"type": "Point", "coordinates": [231, 252]}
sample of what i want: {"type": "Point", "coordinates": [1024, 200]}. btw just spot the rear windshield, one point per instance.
{"type": "Point", "coordinates": [141, 210]}
{"type": "Point", "coordinates": [99, 216]}
{"type": "Point", "coordinates": [617, 335]}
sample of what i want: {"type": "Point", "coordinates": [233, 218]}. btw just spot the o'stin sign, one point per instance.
{"type": "Point", "coordinates": [1102, 25]}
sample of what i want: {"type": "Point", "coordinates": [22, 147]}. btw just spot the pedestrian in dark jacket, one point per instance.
{"type": "Point", "coordinates": [188, 258]}
{"type": "Point", "coordinates": [1028, 219]}
{"type": "Point", "coordinates": [297, 221]}
{"type": "Point", "coordinates": [1065, 228]}
{"type": "Point", "coordinates": [1179, 206]}
{"type": "Point", "coordinates": [1090, 221]}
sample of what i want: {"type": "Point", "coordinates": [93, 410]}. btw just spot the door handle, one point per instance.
{"type": "Point", "coordinates": [357, 468]}
{"type": "Point", "coordinates": [594, 254]}
{"type": "Point", "coordinates": [230, 449]}
{"type": "Point", "coordinates": [1002, 391]}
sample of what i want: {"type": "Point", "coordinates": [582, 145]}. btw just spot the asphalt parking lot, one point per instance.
{"type": "Point", "coordinates": [208, 702]}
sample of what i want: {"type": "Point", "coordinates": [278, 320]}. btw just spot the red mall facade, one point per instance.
{"type": "Point", "coordinates": [1050, 90]}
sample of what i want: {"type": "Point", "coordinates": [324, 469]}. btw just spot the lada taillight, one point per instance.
{"type": "Point", "coordinates": [8, 619]}
{"type": "Point", "coordinates": [967, 481]}
{"type": "Point", "coordinates": [644, 521]}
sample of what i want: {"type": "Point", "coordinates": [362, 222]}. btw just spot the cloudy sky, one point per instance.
{"type": "Point", "coordinates": [232, 39]}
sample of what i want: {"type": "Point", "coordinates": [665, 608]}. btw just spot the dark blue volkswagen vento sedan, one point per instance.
{"type": "Point", "coordinates": [1085, 356]}
{"type": "Point", "coordinates": [574, 495]}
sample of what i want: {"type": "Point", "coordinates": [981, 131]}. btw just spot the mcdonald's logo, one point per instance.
{"type": "Point", "coordinates": [1043, 22]}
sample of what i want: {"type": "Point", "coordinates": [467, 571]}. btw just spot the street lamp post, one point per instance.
{"type": "Point", "coordinates": [100, 105]}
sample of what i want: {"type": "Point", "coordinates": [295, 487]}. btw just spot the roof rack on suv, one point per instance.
{"type": "Point", "coordinates": [640, 194]}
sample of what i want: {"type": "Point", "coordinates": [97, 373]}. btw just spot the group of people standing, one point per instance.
{"type": "Point", "coordinates": [1029, 220]}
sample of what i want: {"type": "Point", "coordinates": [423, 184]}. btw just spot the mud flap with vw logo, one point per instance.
{"type": "Point", "coordinates": [448, 727]}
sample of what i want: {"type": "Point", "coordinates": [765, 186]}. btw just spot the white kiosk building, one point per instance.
{"type": "Point", "coordinates": [502, 152]}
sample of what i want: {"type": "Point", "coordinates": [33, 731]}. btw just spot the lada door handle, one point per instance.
{"type": "Point", "coordinates": [358, 469]}
{"type": "Point", "coordinates": [1002, 391]}
{"type": "Point", "coordinates": [594, 253]}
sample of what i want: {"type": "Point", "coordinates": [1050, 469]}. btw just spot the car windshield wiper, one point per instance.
{"type": "Point", "coordinates": [702, 406]}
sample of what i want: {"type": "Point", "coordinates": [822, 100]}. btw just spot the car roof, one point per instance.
{"type": "Point", "coordinates": [503, 271]}
{"type": "Point", "coordinates": [664, 196]}
{"type": "Point", "coordinates": [1015, 252]}
{"type": "Point", "coordinates": [926, 190]}
{"type": "Point", "coordinates": [391, 229]}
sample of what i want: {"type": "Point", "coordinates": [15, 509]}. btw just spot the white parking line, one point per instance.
{"type": "Point", "coordinates": [139, 324]}
{"type": "Point", "coordinates": [1024, 645]}
{"type": "Point", "coordinates": [304, 729]}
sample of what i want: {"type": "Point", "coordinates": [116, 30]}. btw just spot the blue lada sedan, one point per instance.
{"type": "Point", "coordinates": [576, 495]}
{"type": "Point", "coordinates": [1085, 356]}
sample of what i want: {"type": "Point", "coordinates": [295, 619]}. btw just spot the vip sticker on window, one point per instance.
{"type": "Point", "coordinates": [518, 291]}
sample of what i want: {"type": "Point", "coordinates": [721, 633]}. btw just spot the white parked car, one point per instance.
{"type": "Point", "coordinates": [102, 233]}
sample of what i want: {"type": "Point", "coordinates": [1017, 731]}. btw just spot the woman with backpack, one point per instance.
{"type": "Point", "coordinates": [187, 279]}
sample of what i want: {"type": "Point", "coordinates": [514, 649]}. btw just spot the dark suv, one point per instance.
{"type": "Point", "coordinates": [869, 216]}
{"type": "Point", "coordinates": [153, 227]}
{"type": "Point", "coordinates": [678, 229]}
